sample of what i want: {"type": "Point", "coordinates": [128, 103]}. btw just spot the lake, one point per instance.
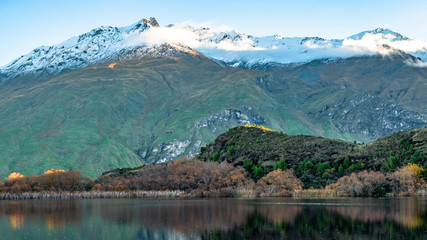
{"type": "Point", "coordinates": [272, 218]}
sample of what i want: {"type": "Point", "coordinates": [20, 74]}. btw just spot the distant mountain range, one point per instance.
{"type": "Point", "coordinates": [119, 97]}
{"type": "Point", "coordinates": [106, 44]}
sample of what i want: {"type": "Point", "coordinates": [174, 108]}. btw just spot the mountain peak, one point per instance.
{"type": "Point", "coordinates": [151, 21]}
{"type": "Point", "coordinates": [395, 36]}
{"type": "Point", "coordinates": [237, 49]}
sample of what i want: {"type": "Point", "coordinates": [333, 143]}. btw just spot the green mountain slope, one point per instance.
{"type": "Point", "coordinates": [315, 160]}
{"type": "Point", "coordinates": [361, 98]}
{"type": "Point", "coordinates": [155, 109]}
{"type": "Point", "coordinates": [146, 110]}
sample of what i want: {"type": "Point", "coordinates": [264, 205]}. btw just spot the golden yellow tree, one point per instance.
{"type": "Point", "coordinates": [14, 176]}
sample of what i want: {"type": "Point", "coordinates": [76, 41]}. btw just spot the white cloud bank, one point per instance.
{"type": "Point", "coordinates": [416, 63]}
{"type": "Point", "coordinates": [228, 45]}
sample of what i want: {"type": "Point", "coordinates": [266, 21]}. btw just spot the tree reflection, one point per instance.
{"type": "Point", "coordinates": [353, 219]}
{"type": "Point", "coordinates": [274, 218]}
{"type": "Point", "coordinates": [55, 214]}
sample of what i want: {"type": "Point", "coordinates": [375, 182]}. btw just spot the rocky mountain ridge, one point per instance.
{"type": "Point", "coordinates": [108, 44]}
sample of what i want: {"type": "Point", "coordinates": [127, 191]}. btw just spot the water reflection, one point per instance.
{"type": "Point", "coordinates": [407, 212]}
{"type": "Point", "coordinates": [55, 214]}
{"type": "Point", "coordinates": [215, 219]}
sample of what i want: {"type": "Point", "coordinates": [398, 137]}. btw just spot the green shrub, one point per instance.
{"type": "Point", "coordinates": [341, 170]}
{"type": "Point", "coordinates": [325, 175]}
{"type": "Point", "coordinates": [257, 172]}
{"type": "Point", "coordinates": [281, 165]}
{"type": "Point", "coordinates": [304, 177]}
{"type": "Point", "coordinates": [230, 149]}
{"type": "Point", "coordinates": [308, 165]}
{"type": "Point", "coordinates": [321, 167]}
{"type": "Point", "coordinates": [247, 164]}
{"type": "Point", "coordinates": [417, 157]}
{"type": "Point", "coordinates": [392, 162]}
{"type": "Point", "coordinates": [215, 156]}
{"type": "Point", "coordinates": [385, 167]}
{"type": "Point", "coordinates": [352, 168]}
{"type": "Point", "coordinates": [346, 162]}
{"type": "Point", "coordinates": [356, 166]}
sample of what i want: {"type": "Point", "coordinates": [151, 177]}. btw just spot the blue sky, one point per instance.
{"type": "Point", "coordinates": [27, 24]}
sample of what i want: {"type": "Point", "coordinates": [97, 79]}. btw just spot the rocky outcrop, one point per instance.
{"type": "Point", "coordinates": [371, 117]}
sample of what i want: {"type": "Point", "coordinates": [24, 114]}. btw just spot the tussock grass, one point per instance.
{"type": "Point", "coordinates": [91, 195]}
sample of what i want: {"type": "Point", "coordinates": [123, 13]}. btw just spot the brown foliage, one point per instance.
{"type": "Point", "coordinates": [360, 184]}
{"type": "Point", "coordinates": [52, 180]}
{"type": "Point", "coordinates": [61, 181]}
{"type": "Point", "coordinates": [191, 175]}
{"type": "Point", "coordinates": [403, 181]}
{"type": "Point", "coordinates": [279, 183]}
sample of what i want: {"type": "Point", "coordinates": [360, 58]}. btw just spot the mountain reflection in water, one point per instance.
{"type": "Point", "coordinates": [215, 219]}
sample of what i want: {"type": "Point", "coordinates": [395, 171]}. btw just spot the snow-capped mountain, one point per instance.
{"type": "Point", "coordinates": [145, 37]}
{"type": "Point", "coordinates": [393, 36]}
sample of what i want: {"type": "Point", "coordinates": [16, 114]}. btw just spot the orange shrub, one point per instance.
{"type": "Point", "coordinates": [279, 183]}
{"type": "Point", "coordinates": [14, 176]}
{"type": "Point", "coordinates": [184, 174]}
{"type": "Point", "coordinates": [16, 183]}
{"type": "Point", "coordinates": [360, 184]}
{"type": "Point", "coordinates": [405, 180]}
{"type": "Point", "coordinates": [50, 171]}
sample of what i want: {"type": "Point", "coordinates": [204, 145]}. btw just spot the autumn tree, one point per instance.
{"type": "Point", "coordinates": [191, 175]}
{"type": "Point", "coordinates": [279, 183]}
{"type": "Point", "coordinates": [406, 180]}
{"type": "Point", "coordinates": [360, 184]}
{"type": "Point", "coordinates": [14, 176]}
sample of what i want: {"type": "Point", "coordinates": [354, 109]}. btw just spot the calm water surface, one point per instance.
{"type": "Point", "coordinates": [404, 218]}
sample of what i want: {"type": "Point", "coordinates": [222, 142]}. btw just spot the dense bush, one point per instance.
{"type": "Point", "coordinates": [321, 167]}
{"type": "Point", "coordinates": [360, 184]}
{"type": "Point", "coordinates": [190, 175]}
{"type": "Point", "coordinates": [52, 180]}
{"type": "Point", "coordinates": [279, 183]}
{"type": "Point", "coordinates": [281, 165]}
{"type": "Point", "coordinates": [405, 180]}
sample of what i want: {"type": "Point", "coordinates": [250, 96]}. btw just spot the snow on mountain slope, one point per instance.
{"type": "Point", "coordinates": [96, 46]}
{"type": "Point", "coordinates": [109, 43]}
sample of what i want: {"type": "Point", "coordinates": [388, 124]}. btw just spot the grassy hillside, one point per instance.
{"type": "Point", "coordinates": [100, 118]}
{"type": "Point", "coordinates": [317, 161]}
{"type": "Point", "coordinates": [360, 98]}
{"type": "Point", "coordinates": [156, 109]}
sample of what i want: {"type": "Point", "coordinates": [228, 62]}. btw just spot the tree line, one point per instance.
{"type": "Point", "coordinates": [212, 179]}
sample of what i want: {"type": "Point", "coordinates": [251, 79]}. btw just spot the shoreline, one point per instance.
{"type": "Point", "coordinates": [170, 195]}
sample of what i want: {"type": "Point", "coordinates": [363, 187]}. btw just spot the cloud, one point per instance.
{"type": "Point", "coordinates": [383, 44]}
{"type": "Point", "coordinates": [164, 34]}
{"type": "Point", "coordinates": [223, 37]}
{"type": "Point", "coordinates": [226, 44]}
{"type": "Point", "coordinates": [416, 63]}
